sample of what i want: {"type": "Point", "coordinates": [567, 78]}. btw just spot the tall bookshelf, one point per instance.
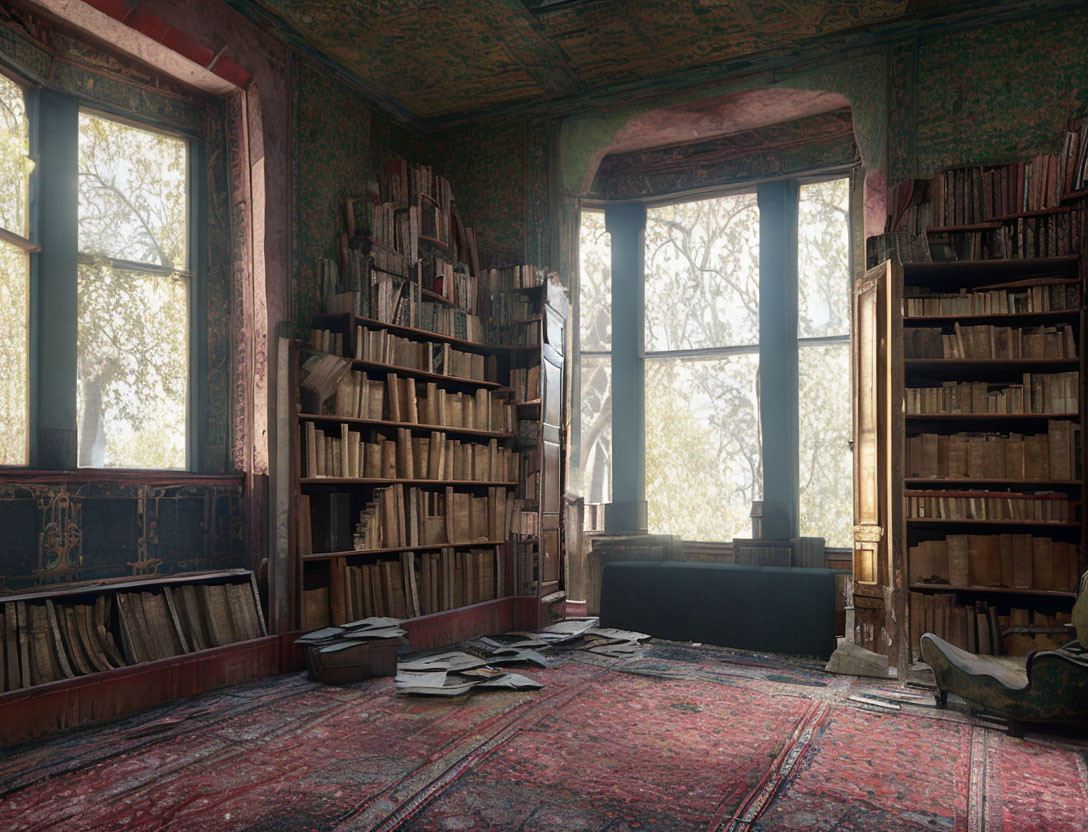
{"type": "Point", "coordinates": [969, 453]}
{"type": "Point", "coordinates": [414, 405]}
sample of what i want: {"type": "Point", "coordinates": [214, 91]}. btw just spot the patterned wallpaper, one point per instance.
{"type": "Point", "coordinates": [989, 95]}
{"type": "Point", "coordinates": [339, 142]}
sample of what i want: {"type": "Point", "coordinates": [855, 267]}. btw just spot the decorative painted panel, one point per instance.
{"type": "Point", "coordinates": [63, 528]}
{"type": "Point", "coordinates": [813, 143]}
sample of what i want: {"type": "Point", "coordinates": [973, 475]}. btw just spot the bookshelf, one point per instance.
{"type": "Point", "coordinates": [969, 465]}
{"type": "Point", "coordinates": [418, 493]}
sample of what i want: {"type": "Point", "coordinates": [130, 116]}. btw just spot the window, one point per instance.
{"type": "Point", "coordinates": [595, 356]}
{"type": "Point", "coordinates": [823, 360]}
{"type": "Point", "coordinates": [706, 345]}
{"type": "Point", "coordinates": [15, 248]}
{"type": "Point", "coordinates": [702, 366]}
{"type": "Point", "coordinates": [132, 386]}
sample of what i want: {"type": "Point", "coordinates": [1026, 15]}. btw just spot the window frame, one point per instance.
{"type": "Point", "coordinates": [789, 338]}
{"type": "Point", "coordinates": [44, 451]}
{"type": "Point", "coordinates": [31, 246]}
{"type": "Point", "coordinates": [188, 274]}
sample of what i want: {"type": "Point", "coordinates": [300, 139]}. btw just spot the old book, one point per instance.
{"type": "Point", "coordinates": [1060, 443]}
{"type": "Point", "coordinates": [57, 640]}
{"type": "Point", "coordinates": [11, 648]}
{"type": "Point", "coordinates": [1021, 561]}
{"type": "Point", "coordinates": [1018, 644]}
{"type": "Point", "coordinates": [161, 624]}
{"type": "Point", "coordinates": [958, 560]}
{"type": "Point", "coordinates": [1040, 563]}
{"type": "Point", "coordinates": [244, 611]}
{"type": "Point", "coordinates": [192, 623]}
{"type": "Point", "coordinates": [985, 559]}
{"type": "Point", "coordinates": [1004, 548]}
{"type": "Point", "coordinates": [44, 666]}
{"type": "Point", "coordinates": [315, 608]}
{"type": "Point", "coordinates": [411, 588]}
{"type": "Point", "coordinates": [982, 626]}
{"type": "Point", "coordinates": [336, 591]}
{"type": "Point", "coordinates": [82, 616]}
{"type": "Point", "coordinates": [214, 606]}
{"type": "Point", "coordinates": [393, 397]}
{"type": "Point", "coordinates": [133, 643]}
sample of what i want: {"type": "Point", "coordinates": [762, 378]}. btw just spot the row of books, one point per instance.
{"type": "Point", "coordinates": [402, 184]}
{"type": "Point", "coordinates": [47, 640]}
{"type": "Point", "coordinates": [980, 627]}
{"type": "Point", "coordinates": [451, 282]}
{"type": "Point", "coordinates": [515, 277]}
{"type": "Point", "coordinates": [985, 341]}
{"type": "Point", "coordinates": [399, 516]}
{"type": "Point", "coordinates": [1053, 455]}
{"type": "Point", "coordinates": [963, 196]}
{"type": "Point", "coordinates": [968, 195]}
{"type": "Point", "coordinates": [435, 457]}
{"type": "Point", "coordinates": [525, 382]}
{"type": "Point", "coordinates": [208, 615]}
{"type": "Point", "coordinates": [1054, 234]}
{"type": "Point", "coordinates": [1012, 561]}
{"type": "Point", "coordinates": [412, 585]}
{"type": "Point", "coordinates": [447, 320]}
{"type": "Point", "coordinates": [510, 320]}
{"type": "Point", "coordinates": [424, 403]}
{"type": "Point", "coordinates": [385, 297]}
{"type": "Point", "coordinates": [395, 228]}
{"type": "Point", "coordinates": [1035, 507]}
{"type": "Point", "coordinates": [384, 347]}
{"type": "Point", "coordinates": [1049, 296]}
{"type": "Point", "coordinates": [1039, 393]}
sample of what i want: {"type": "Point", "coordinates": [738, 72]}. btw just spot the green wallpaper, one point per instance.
{"type": "Point", "coordinates": [989, 95]}
{"type": "Point", "coordinates": [486, 166]}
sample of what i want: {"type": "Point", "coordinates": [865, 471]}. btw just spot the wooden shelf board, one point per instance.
{"type": "Point", "coordinates": [321, 556]}
{"type": "Point", "coordinates": [396, 480]}
{"type": "Point", "coordinates": [984, 363]}
{"type": "Point", "coordinates": [1052, 313]}
{"type": "Point", "coordinates": [101, 585]}
{"type": "Point", "coordinates": [991, 416]}
{"type": "Point", "coordinates": [434, 241]}
{"type": "Point", "coordinates": [924, 481]}
{"type": "Point", "coordinates": [411, 371]}
{"type": "Point", "coordinates": [387, 423]}
{"type": "Point", "coordinates": [1002, 590]}
{"type": "Point", "coordinates": [409, 331]}
{"type": "Point", "coordinates": [1049, 524]}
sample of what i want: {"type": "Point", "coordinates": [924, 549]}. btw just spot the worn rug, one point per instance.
{"type": "Point", "coordinates": [680, 737]}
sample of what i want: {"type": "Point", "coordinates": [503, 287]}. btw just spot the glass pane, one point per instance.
{"type": "Point", "coordinates": [14, 354]}
{"type": "Point", "coordinates": [132, 369]}
{"type": "Point", "coordinates": [594, 283]}
{"type": "Point", "coordinates": [702, 274]}
{"type": "Point", "coordinates": [596, 438]}
{"type": "Point", "coordinates": [827, 484]}
{"type": "Point", "coordinates": [703, 451]}
{"type": "Point", "coordinates": [132, 193]}
{"type": "Point", "coordinates": [823, 259]}
{"type": "Point", "coordinates": [15, 165]}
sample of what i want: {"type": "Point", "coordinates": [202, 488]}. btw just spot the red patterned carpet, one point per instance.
{"type": "Point", "coordinates": [681, 738]}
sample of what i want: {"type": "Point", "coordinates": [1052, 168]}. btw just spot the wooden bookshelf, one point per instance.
{"type": "Point", "coordinates": [376, 472]}
{"type": "Point", "coordinates": [903, 565]}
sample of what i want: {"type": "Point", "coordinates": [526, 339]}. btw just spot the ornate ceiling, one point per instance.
{"type": "Point", "coordinates": [433, 58]}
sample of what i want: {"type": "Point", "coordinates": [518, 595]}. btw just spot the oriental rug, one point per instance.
{"type": "Point", "coordinates": [681, 737]}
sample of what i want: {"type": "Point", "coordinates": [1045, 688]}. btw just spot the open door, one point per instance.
{"type": "Point", "coordinates": [878, 557]}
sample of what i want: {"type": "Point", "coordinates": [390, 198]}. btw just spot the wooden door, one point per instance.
{"type": "Point", "coordinates": [878, 573]}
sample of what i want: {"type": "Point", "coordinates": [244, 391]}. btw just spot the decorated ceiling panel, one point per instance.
{"type": "Point", "coordinates": [437, 57]}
